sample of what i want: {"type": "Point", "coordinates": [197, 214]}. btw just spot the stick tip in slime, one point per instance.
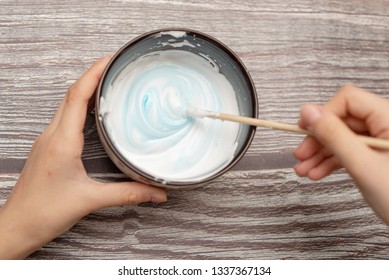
{"type": "Point", "coordinates": [200, 113]}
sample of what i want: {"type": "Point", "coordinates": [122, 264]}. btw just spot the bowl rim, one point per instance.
{"type": "Point", "coordinates": [139, 175]}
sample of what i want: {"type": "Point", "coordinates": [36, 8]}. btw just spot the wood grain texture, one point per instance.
{"type": "Point", "coordinates": [297, 52]}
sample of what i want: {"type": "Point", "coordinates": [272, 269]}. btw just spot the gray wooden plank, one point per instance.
{"type": "Point", "coordinates": [242, 215]}
{"type": "Point", "coordinates": [297, 52]}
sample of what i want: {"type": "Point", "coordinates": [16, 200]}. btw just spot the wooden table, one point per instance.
{"type": "Point", "coordinates": [296, 51]}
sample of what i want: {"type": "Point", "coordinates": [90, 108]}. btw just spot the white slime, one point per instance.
{"type": "Point", "coordinates": [144, 114]}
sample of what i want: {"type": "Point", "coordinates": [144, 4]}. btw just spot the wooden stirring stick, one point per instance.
{"type": "Point", "coordinates": [195, 112]}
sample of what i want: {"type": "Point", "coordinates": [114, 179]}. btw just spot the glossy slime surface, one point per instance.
{"type": "Point", "coordinates": [144, 114]}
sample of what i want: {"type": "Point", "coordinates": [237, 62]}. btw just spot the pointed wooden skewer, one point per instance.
{"type": "Point", "coordinates": [200, 113]}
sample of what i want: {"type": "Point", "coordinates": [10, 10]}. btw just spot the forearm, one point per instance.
{"type": "Point", "coordinates": [373, 184]}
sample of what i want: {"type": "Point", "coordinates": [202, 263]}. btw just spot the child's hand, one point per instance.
{"type": "Point", "coordinates": [334, 143]}
{"type": "Point", "coordinates": [54, 190]}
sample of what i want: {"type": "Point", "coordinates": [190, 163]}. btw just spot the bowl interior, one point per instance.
{"type": "Point", "coordinates": [200, 44]}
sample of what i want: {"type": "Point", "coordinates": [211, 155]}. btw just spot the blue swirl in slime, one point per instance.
{"type": "Point", "coordinates": [144, 114]}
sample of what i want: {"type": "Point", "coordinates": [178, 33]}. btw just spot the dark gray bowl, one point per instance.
{"type": "Point", "coordinates": [198, 43]}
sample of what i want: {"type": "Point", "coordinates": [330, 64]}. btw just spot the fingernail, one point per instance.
{"type": "Point", "coordinates": [310, 114]}
{"type": "Point", "coordinates": [158, 197]}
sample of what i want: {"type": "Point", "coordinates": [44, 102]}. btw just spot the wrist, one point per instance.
{"type": "Point", "coordinates": [17, 241]}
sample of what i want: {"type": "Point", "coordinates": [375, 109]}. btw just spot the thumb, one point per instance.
{"type": "Point", "coordinates": [126, 193]}
{"type": "Point", "coordinates": [335, 135]}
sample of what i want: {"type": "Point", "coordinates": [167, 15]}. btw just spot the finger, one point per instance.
{"type": "Point", "coordinates": [356, 125]}
{"type": "Point", "coordinates": [351, 100]}
{"type": "Point", "coordinates": [57, 117]}
{"type": "Point", "coordinates": [310, 145]}
{"type": "Point", "coordinates": [303, 167]}
{"type": "Point", "coordinates": [126, 193]}
{"type": "Point", "coordinates": [333, 133]}
{"type": "Point", "coordinates": [76, 101]}
{"type": "Point", "coordinates": [307, 148]}
{"type": "Point", "coordinates": [325, 168]}
{"type": "Point", "coordinates": [362, 105]}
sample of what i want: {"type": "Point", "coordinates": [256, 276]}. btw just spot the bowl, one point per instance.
{"type": "Point", "coordinates": [142, 104]}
